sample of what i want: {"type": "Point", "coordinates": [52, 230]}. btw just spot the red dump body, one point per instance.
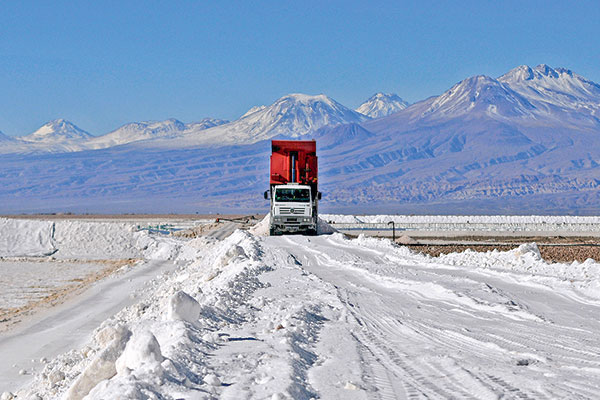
{"type": "Point", "coordinates": [294, 161]}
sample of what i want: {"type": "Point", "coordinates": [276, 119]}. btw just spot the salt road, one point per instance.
{"type": "Point", "coordinates": [251, 316]}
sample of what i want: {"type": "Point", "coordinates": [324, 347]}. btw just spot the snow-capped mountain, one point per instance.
{"type": "Point", "coordinates": [53, 137]}
{"type": "Point", "coordinates": [526, 142]}
{"type": "Point", "coordinates": [57, 131]}
{"type": "Point", "coordinates": [533, 97]}
{"type": "Point", "coordinates": [381, 105]}
{"type": "Point", "coordinates": [293, 116]}
{"type": "Point", "coordinates": [475, 95]}
{"type": "Point", "coordinates": [491, 141]}
{"type": "Point", "coordinates": [545, 87]}
{"type": "Point", "coordinates": [149, 130]}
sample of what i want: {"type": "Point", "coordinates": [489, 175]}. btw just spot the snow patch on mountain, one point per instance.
{"type": "Point", "coordinates": [253, 110]}
{"type": "Point", "coordinates": [476, 95]}
{"type": "Point", "coordinates": [293, 116]}
{"type": "Point", "coordinates": [381, 105]}
{"type": "Point", "coordinates": [205, 123]}
{"type": "Point", "coordinates": [53, 137]}
{"type": "Point", "coordinates": [560, 87]}
{"type": "Point", "coordinates": [136, 131]}
{"type": "Point", "coordinates": [57, 131]}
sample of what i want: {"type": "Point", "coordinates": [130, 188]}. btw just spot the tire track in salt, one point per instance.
{"type": "Point", "coordinates": [540, 341]}
{"type": "Point", "coordinates": [416, 379]}
{"type": "Point", "coordinates": [464, 384]}
{"type": "Point", "coordinates": [389, 362]}
{"type": "Point", "coordinates": [498, 333]}
{"type": "Point", "coordinates": [480, 386]}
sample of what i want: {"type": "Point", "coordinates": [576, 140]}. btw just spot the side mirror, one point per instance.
{"type": "Point", "coordinates": [266, 194]}
{"type": "Point", "coordinates": [319, 195]}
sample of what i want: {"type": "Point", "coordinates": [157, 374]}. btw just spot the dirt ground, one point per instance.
{"type": "Point", "coordinates": [553, 254]}
{"type": "Point", "coordinates": [552, 249]}
{"type": "Point", "coordinates": [9, 317]}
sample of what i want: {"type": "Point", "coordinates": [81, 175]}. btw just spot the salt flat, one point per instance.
{"type": "Point", "coordinates": [252, 316]}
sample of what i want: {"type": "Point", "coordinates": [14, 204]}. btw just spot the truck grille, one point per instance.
{"type": "Point", "coordinates": [291, 211]}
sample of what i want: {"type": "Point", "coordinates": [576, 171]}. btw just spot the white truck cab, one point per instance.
{"type": "Point", "coordinates": [293, 209]}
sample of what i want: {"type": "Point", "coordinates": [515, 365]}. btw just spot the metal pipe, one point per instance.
{"type": "Point", "coordinates": [393, 230]}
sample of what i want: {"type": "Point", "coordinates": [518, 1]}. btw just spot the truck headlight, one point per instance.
{"type": "Point", "coordinates": [305, 219]}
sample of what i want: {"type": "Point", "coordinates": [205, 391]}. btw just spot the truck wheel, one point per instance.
{"type": "Point", "coordinates": [271, 232]}
{"type": "Point", "coordinates": [311, 232]}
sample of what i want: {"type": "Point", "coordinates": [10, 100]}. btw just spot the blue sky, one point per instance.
{"type": "Point", "coordinates": [101, 64]}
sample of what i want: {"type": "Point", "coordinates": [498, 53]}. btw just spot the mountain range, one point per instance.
{"type": "Point", "coordinates": [293, 116]}
{"type": "Point", "coordinates": [525, 142]}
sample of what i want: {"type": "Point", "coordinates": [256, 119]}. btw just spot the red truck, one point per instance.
{"type": "Point", "coordinates": [294, 192]}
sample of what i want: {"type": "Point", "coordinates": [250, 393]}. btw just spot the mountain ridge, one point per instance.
{"type": "Point", "coordinates": [151, 130]}
{"type": "Point", "coordinates": [502, 145]}
{"type": "Point", "coordinates": [293, 115]}
{"type": "Point", "coordinates": [522, 92]}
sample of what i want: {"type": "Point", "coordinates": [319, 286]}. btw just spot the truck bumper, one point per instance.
{"type": "Point", "coordinates": [293, 227]}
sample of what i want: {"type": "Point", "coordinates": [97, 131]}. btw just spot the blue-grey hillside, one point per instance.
{"type": "Point", "coordinates": [526, 142]}
{"type": "Point", "coordinates": [4, 138]}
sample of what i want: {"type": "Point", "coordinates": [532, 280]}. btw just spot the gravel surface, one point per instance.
{"type": "Point", "coordinates": [550, 253]}
{"type": "Point", "coordinates": [52, 283]}
{"type": "Point", "coordinates": [552, 248]}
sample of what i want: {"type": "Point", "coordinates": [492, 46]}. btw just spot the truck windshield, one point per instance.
{"type": "Point", "coordinates": [289, 195]}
